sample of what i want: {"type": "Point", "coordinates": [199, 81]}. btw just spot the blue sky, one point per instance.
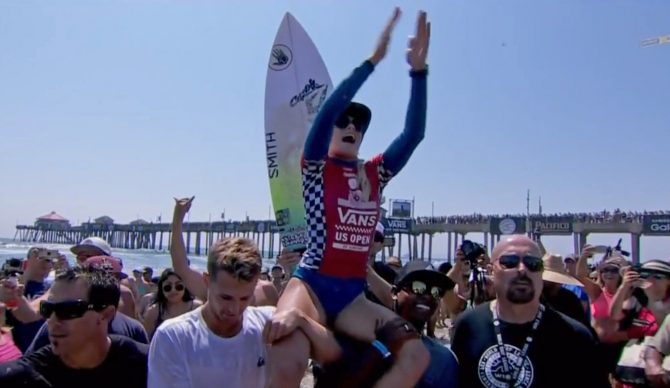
{"type": "Point", "coordinates": [114, 107]}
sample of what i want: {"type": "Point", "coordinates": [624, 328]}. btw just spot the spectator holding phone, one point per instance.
{"type": "Point", "coordinates": [22, 317]}
{"type": "Point", "coordinates": [644, 296]}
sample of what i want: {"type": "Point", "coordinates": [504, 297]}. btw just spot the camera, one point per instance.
{"type": "Point", "coordinates": [472, 251]}
{"type": "Point", "coordinates": [12, 267]}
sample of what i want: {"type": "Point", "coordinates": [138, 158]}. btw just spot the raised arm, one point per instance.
{"type": "Point", "coordinates": [625, 291]}
{"type": "Point", "coordinates": [318, 138]}
{"type": "Point", "coordinates": [192, 279]}
{"type": "Point", "coordinates": [592, 288]}
{"type": "Point", "coordinates": [400, 150]}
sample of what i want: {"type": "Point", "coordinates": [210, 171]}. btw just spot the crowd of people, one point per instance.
{"type": "Point", "coordinates": [616, 216]}
{"type": "Point", "coordinates": [518, 316]}
{"type": "Point", "coordinates": [528, 310]}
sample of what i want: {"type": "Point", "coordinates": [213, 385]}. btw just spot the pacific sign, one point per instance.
{"type": "Point", "coordinates": [551, 225]}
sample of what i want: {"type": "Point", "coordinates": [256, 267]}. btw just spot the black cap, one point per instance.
{"type": "Point", "coordinates": [361, 113]}
{"type": "Point", "coordinates": [423, 270]}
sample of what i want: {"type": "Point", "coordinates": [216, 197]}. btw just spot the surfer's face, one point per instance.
{"type": "Point", "coordinates": [346, 140]}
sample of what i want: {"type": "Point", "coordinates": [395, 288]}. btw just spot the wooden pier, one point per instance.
{"type": "Point", "coordinates": [406, 237]}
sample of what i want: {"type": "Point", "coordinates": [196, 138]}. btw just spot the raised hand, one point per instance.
{"type": "Point", "coordinates": [385, 38]}
{"type": "Point", "coordinates": [182, 206]}
{"type": "Point", "coordinates": [417, 48]}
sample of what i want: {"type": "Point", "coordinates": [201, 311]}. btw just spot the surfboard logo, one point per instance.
{"type": "Point", "coordinates": [281, 57]}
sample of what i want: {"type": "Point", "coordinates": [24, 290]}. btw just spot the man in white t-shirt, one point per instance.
{"type": "Point", "coordinates": [224, 341]}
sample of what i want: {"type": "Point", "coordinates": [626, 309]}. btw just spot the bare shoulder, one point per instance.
{"type": "Point", "coordinates": [265, 294]}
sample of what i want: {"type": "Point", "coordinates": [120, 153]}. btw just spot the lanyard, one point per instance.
{"type": "Point", "coordinates": [512, 370]}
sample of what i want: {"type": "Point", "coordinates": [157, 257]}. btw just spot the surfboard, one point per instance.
{"type": "Point", "coordinates": [296, 86]}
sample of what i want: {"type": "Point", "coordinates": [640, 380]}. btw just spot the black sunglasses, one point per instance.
{"type": "Point", "coordinates": [343, 121]}
{"type": "Point", "coordinates": [653, 275]}
{"type": "Point", "coordinates": [610, 270]}
{"type": "Point", "coordinates": [421, 288]}
{"type": "Point", "coordinates": [534, 264]}
{"type": "Point", "coordinates": [168, 287]}
{"type": "Point", "coordinates": [67, 310]}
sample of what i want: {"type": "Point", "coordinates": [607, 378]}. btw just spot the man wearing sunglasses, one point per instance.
{"type": "Point", "coordinates": [81, 354]}
{"type": "Point", "coordinates": [414, 296]}
{"type": "Point", "coordinates": [515, 341]}
{"type": "Point", "coordinates": [121, 324]}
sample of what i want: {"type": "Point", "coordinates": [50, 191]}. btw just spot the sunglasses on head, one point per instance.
{"type": "Point", "coordinates": [421, 288]}
{"type": "Point", "coordinates": [343, 122]}
{"type": "Point", "coordinates": [168, 287]}
{"type": "Point", "coordinates": [67, 310]}
{"type": "Point", "coordinates": [532, 263]}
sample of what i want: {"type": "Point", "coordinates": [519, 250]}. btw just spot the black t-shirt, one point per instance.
{"type": "Point", "coordinates": [125, 366]}
{"type": "Point", "coordinates": [566, 302]}
{"type": "Point", "coordinates": [562, 353]}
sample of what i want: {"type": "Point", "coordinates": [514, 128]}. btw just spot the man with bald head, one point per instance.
{"type": "Point", "coordinates": [515, 341]}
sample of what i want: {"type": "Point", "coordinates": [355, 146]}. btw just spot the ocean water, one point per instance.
{"type": "Point", "coordinates": [158, 260]}
{"type": "Point", "coordinates": [132, 258]}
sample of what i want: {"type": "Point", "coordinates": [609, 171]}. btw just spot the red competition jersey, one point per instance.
{"type": "Point", "coordinates": [340, 223]}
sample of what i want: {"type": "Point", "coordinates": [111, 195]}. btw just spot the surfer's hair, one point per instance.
{"type": "Point", "coordinates": [363, 181]}
{"type": "Point", "coordinates": [239, 257]}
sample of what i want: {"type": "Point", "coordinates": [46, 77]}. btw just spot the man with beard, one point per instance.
{"type": "Point", "coordinates": [515, 341]}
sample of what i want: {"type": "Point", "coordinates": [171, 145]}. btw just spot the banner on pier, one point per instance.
{"type": "Point", "coordinates": [551, 225]}
{"type": "Point", "coordinates": [397, 225]}
{"type": "Point", "coordinates": [401, 208]}
{"type": "Point", "coordinates": [507, 225]}
{"type": "Point", "coordinates": [656, 225]}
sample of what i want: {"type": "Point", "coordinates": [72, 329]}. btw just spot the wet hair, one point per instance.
{"type": "Point", "coordinates": [103, 287]}
{"type": "Point", "coordinates": [160, 297]}
{"type": "Point", "coordinates": [239, 257]}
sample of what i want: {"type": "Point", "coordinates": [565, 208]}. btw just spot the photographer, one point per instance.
{"type": "Point", "coordinates": [470, 273]}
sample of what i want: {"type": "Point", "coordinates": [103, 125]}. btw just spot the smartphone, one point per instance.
{"type": "Point", "coordinates": [600, 249]}
{"type": "Point", "coordinates": [49, 254]}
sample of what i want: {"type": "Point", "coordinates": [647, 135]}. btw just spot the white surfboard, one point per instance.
{"type": "Point", "coordinates": [296, 86]}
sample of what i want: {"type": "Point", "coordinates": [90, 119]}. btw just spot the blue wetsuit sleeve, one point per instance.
{"type": "Point", "coordinates": [399, 151]}
{"type": "Point", "coordinates": [318, 138]}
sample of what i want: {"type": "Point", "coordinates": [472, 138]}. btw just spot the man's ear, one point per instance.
{"type": "Point", "coordinates": [207, 278]}
{"type": "Point", "coordinates": [108, 313]}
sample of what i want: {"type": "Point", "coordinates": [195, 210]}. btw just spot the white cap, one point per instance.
{"type": "Point", "coordinates": [93, 242]}
{"type": "Point", "coordinates": [379, 228]}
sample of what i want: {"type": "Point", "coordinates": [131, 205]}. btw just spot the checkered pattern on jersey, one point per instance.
{"type": "Point", "coordinates": [385, 176]}
{"type": "Point", "coordinates": [312, 191]}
